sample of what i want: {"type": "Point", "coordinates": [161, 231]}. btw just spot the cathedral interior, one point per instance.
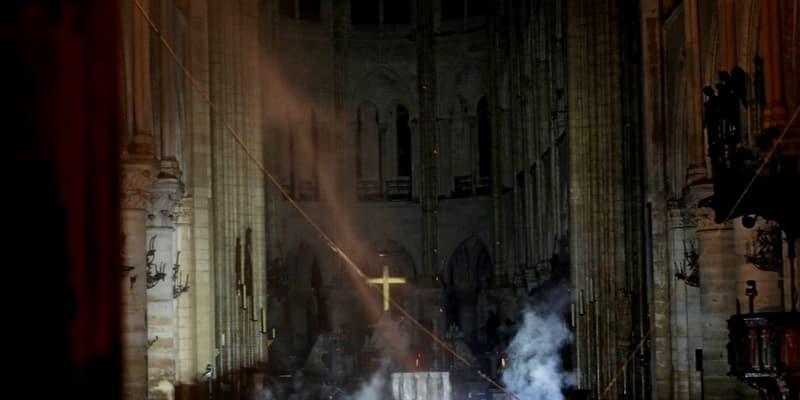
{"type": "Point", "coordinates": [403, 199]}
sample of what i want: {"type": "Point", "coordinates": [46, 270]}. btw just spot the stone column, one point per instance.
{"type": "Point", "coordinates": [188, 367]}
{"type": "Point", "coordinates": [686, 335]}
{"type": "Point", "coordinates": [498, 211]}
{"type": "Point", "coordinates": [717, 295]}
{"type": "Point", "coordinates": [238, 184]}
{"type": "Point", "coordinates": [606, 208]}
{"type": "Point", "coordinates": [198, 179]}
{"type": "Point", "coordinates": [426, 86]}
{"type": "Point", "coordinates": [142, 142]}
{"type": "Point", "coordinates": [696, 172]}
{"type": "Point", "coordinates": [137, 175]}
{"type": "Point", "coordinates": [170, 84]}
{"type": "Point", "coordinates": [161, 318]}
{"type": "Point", "coordinates": [336, 181]}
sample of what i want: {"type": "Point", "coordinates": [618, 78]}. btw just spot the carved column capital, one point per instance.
{"type": "Point", "coordinates": [169, 169]}
{"type": "Point", "coordinates": [697, 174]}
{"type": "Point", "coordinates": [166, 194]}
{"type": "Point", "coordinates": [677, 214]}
{"type": "Point", "coordinates": [703, 219]}
{"type": "Point", "coordinates": [135, 183]}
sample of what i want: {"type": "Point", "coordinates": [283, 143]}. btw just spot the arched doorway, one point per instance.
{"type": "Point", "coordinates": [297, 309]}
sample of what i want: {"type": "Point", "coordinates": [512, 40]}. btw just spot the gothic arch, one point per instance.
{"type": "Point", "coordinates": [381, 83]}
{"type": "Point", "coordinates": [469, 83]}
{"type": "Point", "coordinates": [302, 265]}
{"type": "Point", "coordinates": [369, 141]}
{"type": "Point", "coordinates": [380, 173]}
{"type": "Point", "coordinates": [469, 270]}
{"type": "Point", "coordinates": [302, 312]}
{"type": "Point", "coordinates": [404, 148]}
{"type": "Point", "coordinates": [469, 265]}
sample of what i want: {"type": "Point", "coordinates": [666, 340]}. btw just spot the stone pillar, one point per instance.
{"type": "Point", "coordinates": [686, 335]}
{"type": "Point", "coordinates": [198, 179]}
{"type": "Point", "coordinates": [169, 99]}
{"type": "Point", "coordinates": [161, 319]}
{"type": "Point", "coordinates": [188, 367]}
{"type": "Point", "coordinates": [606, 217]}
{"type": "Point", "coordinates": [238, 183]}
{"type": "Point", "coordinates": [426, 86]}
{"type": "Point", "coordinates": [498, 211]}
{"type": "Point", "coordinates": [696, 172]}
{"type": "Point", "coordinates": [137, 175]}
{"type": "Point", "coordinates": [338, 187]}
{"type": "Point", "coordinates": [142, 103]}
{"type": "Point", "coordinates": [717, 295]}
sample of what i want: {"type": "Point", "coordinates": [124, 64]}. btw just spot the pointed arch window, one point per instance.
{"type": "Point", "coordinates": [468, 273]}
{"type": "Point", "coordinates": [403, 142]}
{"type": "Point", "coordinates": [368, 152]}
{"type": "Point", "coordinates": [399, 187]}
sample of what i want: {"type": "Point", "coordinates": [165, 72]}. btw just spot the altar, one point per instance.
{"type": "Point", "coordinates": [421, 386]}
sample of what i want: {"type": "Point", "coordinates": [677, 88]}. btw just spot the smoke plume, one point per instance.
{"type": "Point", "coordinates": [372, 389]}
{"type": "Point", "coordinates": [534, 369]}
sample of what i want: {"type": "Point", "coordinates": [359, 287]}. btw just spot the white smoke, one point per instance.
{"type": "Point", "coordinates": [373, 389]}
{"type": "Point", "coordinates": [534, 370]}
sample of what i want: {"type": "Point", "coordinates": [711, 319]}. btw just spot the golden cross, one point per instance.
{"type": "Point", "coordinates": [386, 280]}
